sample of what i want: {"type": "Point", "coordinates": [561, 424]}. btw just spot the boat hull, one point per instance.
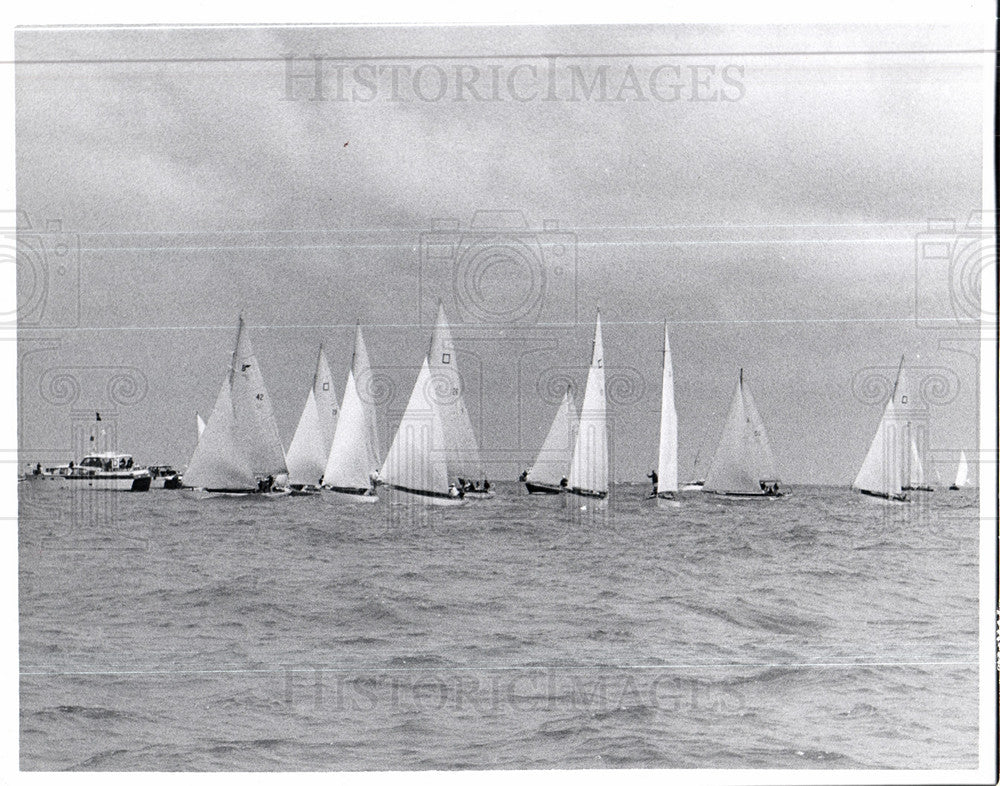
{"type": "Point", "coordinates": [359, 495]}
{"type": "Point", "coordinates": [884, 495]}
{"type": "Point", "coordinates": [918, 488]}
{"type": "Point", "coordinates": [693, 487]}
{"type": "Point", "coordinates": [542, 488]}
{"type": "Point", "coordinates": [747, 494]}
{"type": "Point", "coordinates": [408, 496]}
{"type": "Point", "coordinates": [109, 482]}
{"type": "Point", "coordinates": [954, 488]}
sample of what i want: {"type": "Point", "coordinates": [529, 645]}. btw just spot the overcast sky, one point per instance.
{"type": "Point", "coordinates": [773, 222]}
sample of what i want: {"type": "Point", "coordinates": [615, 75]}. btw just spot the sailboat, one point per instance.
{"type": "Point", "coordinates": [881, 473]}
{"type": "Point", "coordinates": [465, 465]}
{"type": "Point", "coordinates": [353, 461]}
{"type": "Point", "coordinates": [310, 446]}
{"type": "Point", "coordinates": [962, 475]}
{"type": "Point", "coordinates": [239, 452]}
{"type": "Point", "coordinates": [588, 473]}
{"type": "Point", "coordinates": [551, 469]}
{"type": "Point", "coordinates": [743, 464]}
{"type": "Point", "coordinates": [915, 469]}
{"type": "Point", "coordinates": [665, 484]}
{"type": "Point", "coordinates": [416, 466]}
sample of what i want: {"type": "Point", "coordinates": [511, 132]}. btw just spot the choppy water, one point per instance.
{"type": "Point", "coordinates": [824, 630]}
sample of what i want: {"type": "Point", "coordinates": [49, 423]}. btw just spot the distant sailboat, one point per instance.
{"type": "Point", "coordinates": [743, 464]}
{"type": "Point", "coordinates": [465, 464]}
{"type": "Point", "coordinates": [588, 474]}
{"type": "Point", "coordinates": [353, 461]}
{"type": "Point", "coordinates": [239, 452]}
{"type": "Point", "coordinates": [416, 466]}
{"type": "Point", "coordinates": [881, 473]}
{"type": "Point", "coordinates": [551, 469]}
{"type": "Point", "coordinates": [912, 466]}
{"type": "Point", "coordinates": [310, 446]}
{"type": "Point", "coordinates": [199, 423]}
{"type": "Point", "coordinates": [962, 475]}
{"type": "Point", "coordinates": [665, 485]}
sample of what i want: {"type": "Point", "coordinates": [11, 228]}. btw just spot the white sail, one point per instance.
{"type": "Point", "coordinates": [353, 457]}
{"type": "Point", "coordinates": [556, 455]}
{"type": "Point", "coordinates": [306, 457]}
{"type": "Point", "coordinates": [881, 472]}
{"type": "Point", "coordinates": [446, 387]}
{"type": "Point", "coordinates": [666, 468]}
{"type": "Point", "coordinates": [916, 468]}
{"type": "Point", "coordinates": [962, 475]}
{"type": "Point", "coordinates": [327, 406]}
{"type": "Point", "coordinates": [217, 462]}
{"type": "Point", "coordinates": [417, 459]}
{"type": "Point", "coordinates": [589, 468]}
{"type": "Point", "coordinates": [199, 423]}
{"type": "Point", "coordinates": [256, 428]}
{"type": "Point", "coordinates": [363, 381]}
{"type": "Point", "coordinates": [743, 457]}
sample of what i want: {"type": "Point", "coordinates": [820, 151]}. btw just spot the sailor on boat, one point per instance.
{"type": "Point", "coordinates": [455, 492]}
{"type": "Point", "coordinates": [655, 479]}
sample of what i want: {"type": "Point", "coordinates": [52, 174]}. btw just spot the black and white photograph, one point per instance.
{"type": "Point", "coordinates": [530, 396]}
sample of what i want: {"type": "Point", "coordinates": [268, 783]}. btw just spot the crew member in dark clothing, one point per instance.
{"type": "Point", "coordinates": [656, 480]}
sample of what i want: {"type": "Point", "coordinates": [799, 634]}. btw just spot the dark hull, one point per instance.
{"type": "Point", "coordinates": [748, 494]}
{"type": "Point", "coordinates": [354, 492]}
{"type": "Point", "coordinates": [954, 488]}
{"type": "Point", "coordinates": [882, 495]}
{"type": "Point", "coordinates": [918, 488]}
{"type": "Point", "coordinates": [542, 488]}
{"type": "Point", "coordinates": [424, 493]}
{"type": "Point", "coordinates": [668, 495]}
{"type": "Point", "coordinates": [587, 493]}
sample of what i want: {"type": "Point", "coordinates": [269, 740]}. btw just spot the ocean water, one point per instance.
{"type": "Point", "coordinates": [827, 629]}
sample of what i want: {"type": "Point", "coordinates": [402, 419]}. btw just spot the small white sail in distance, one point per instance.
{"type": "Point", "coordinates": [199, 423]}
{"type": "Point", "coordinates": [354, 452]}
{"type": "Point", "coordinates": [666, 468]}
{"type": "Point", "coordinates": [743, 457]}
{"type": "Point", "coordinates": [256, 428]}
{"type": "Point", "coordinates": [556, 456]}
{"type": "Point", "coordinates": [588, 473]}
{"type": "Point", "coordinates": [417, 459]}
{"type": "Point", "coordinates": [962, 474]}
{"type": "Point", "coordinates": [916, 464]}
{"type": "Point", "coordinates": [218, 462]}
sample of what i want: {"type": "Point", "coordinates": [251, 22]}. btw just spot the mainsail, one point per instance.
{"type": "Point", "coordinates": [962, 475]}
{"type": "Point", "coordinates": [743, 462]}
{"type": "Point", "coordinates": [354, 452]}
{"type": "Point", "coordinates": [364, 381]}
{"type": "Point", "coordinates": [446, 388]}
{"type": "Point", "coordinates": [417, 460]}
{"type": "Point", "coordinates": [217, 462]}
{"type": "Point", "coordinates": [882, 471]}
{"type": "Point", "coordinates": [666, 468]}
{"type": "Point", "coordinates": [307, 454]}
{"type": "Point", "coordinates": [916, 468]}
{"type": "Point", "coordinates": [556, 455]}
{"type": "Point", "coordinates": [310, 446]}
{"type": "Point", "coordinates": [588, 473]}
{"type": "Point", "coordinates": [256, 428]}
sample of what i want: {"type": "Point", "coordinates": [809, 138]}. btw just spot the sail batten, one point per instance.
{"type": "Point", "coordinates": [589, 469]}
